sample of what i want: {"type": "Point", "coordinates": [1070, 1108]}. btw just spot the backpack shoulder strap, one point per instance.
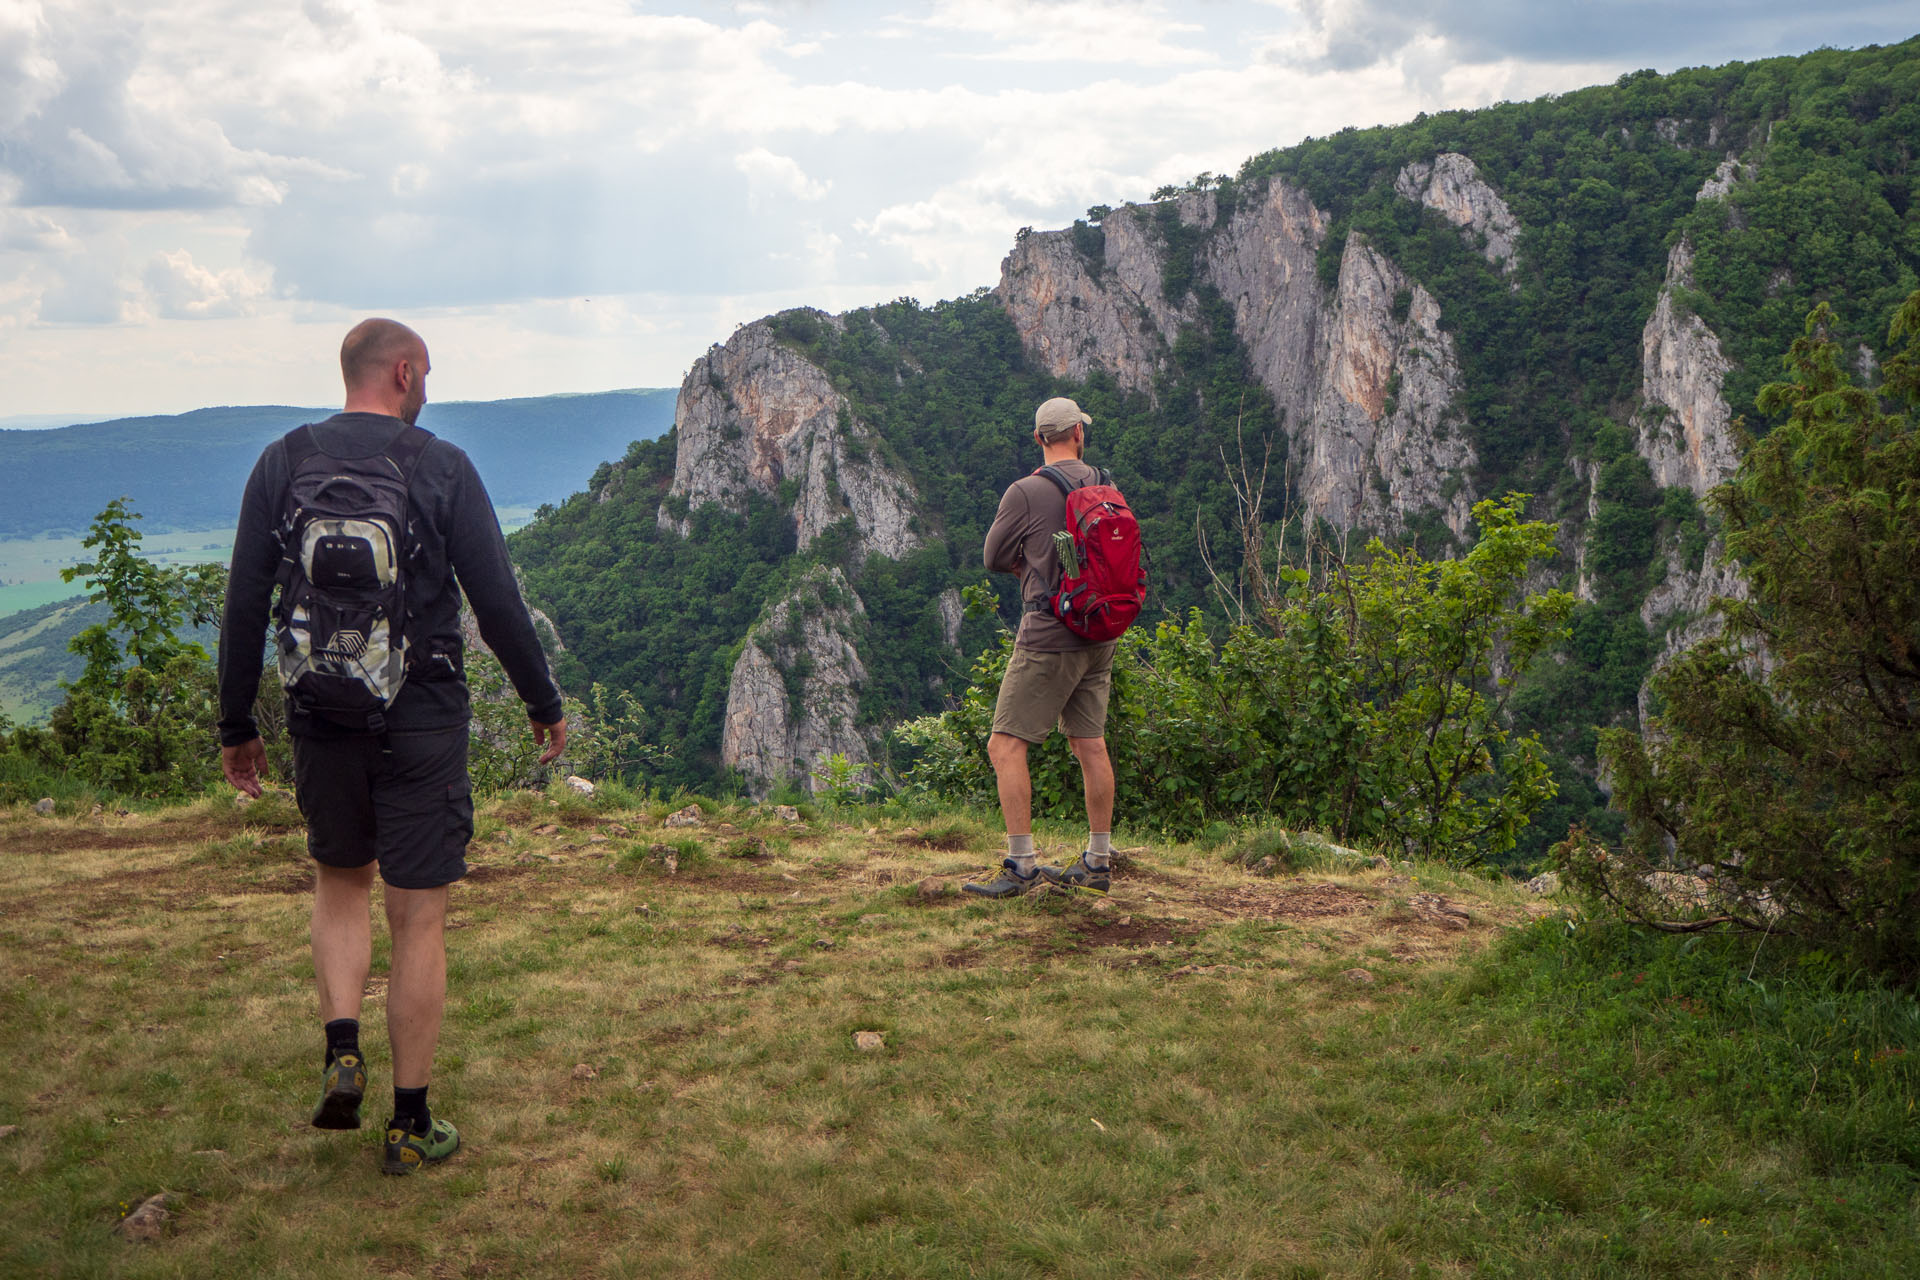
{"type": "Point", "coordinates": [405, 449]}
{"type": "Point", "coordinates": [1059, 477]}
{"type": "Point", "coordinates": [300, 445]}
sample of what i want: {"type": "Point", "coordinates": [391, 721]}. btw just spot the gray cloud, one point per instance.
{"type": "Point", "coordinates": [1656, 33]}
{"type": "Point", "coordinates": [76, 137]}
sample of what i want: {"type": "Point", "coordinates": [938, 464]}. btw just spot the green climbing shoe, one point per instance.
{"type": "Point", "coordinates": [342, 1085]}
{"type": "Point", "coordinates": [407, 1151]}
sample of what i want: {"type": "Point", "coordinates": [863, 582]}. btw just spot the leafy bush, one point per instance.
{"type": "Point", "coordinates": [1787, 759]}
{"type": "Point", "coordinates": [140, 719]}
{"type": "Point", "coordinates": [1361, 701]}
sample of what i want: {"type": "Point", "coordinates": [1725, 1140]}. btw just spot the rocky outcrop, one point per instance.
{"type": "Point", "coordinates": [1684, 425]}
{"type": "Point", "coordinates": [1079, 313]}
{"type": "Point", "coordinates": [1264, 265]}
{"type": "Point", "coordinates": [1363, 374]}
{"type": "Point", "coordinates": [1728, 172]}
{"type": "Point", "coordinates": [754, 413]}
{"type": "Point", "coordinates": [1452, 187]}
{"type": "Point", "coordinates": [1382, 441]}
{"type": "Point", "coordinates": [794, 696]}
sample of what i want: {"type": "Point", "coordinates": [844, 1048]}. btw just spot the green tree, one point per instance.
{"type": "Point", "coordinates": [140, 719]}
{"type": "Point", "coordinates": [1787, 758]}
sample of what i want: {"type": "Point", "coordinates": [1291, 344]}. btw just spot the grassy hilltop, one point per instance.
{"type": "Point", "coordinates": [650, 1049]}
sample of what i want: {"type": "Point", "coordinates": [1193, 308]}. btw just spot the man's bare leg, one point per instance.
{"type": "Point", "coordinates": [342, 937]}
{"type": "Point", "coordinates": [1091, 869]}
{"type": "Point", "coordinates": [1008, 755]}
{"type": "Point", "coordinates": [417, 985]}
{"type": "Point", "coordinates": [1096, 774]}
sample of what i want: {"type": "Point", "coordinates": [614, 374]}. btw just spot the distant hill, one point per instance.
{"type": "Point", "coordinates": [186, 471]}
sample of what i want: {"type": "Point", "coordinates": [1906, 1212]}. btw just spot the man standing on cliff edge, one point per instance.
{"type": "Point", "coordinates": [1054, 675]}
{"type": "Point", "coordinates": [390, 789]}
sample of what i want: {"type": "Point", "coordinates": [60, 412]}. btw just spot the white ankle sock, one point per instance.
{"type": "Point", "coordinates": [1099, 848]}
{"type": "Point", "coordinates": [1020, 853]}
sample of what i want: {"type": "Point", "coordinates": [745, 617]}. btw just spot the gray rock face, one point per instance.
{"type": "Point", "coordinates": [1452, 187]}
{"type": "Point", "coordinates": [1724, 177]}
{"type": "Point", "coordinates": [1368, 397]}
{"type": "Point", "coordinates": [1379, 443]}
{"type": "Point", "coordinates": [808, 638]}
{"type": "Point", "coordinates": [1264, 267]}
{"type": "Point", "coordinates": [1684, 425]}
{"type": "Point", "coordinates": [755, 412]}
{"type": "Point", "coordinates": [1076, 315]}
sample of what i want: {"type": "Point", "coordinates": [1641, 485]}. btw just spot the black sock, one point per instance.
{"type": "Point", "coordinates": [343, 1036]}
{"type": "Point", "coordinates": [410, 1109]}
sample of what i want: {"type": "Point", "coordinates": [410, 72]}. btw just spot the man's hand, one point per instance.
{"type": "Point", "coordinates": [245, 765]}
{"type": "Point", "coordinates": [553, 735]}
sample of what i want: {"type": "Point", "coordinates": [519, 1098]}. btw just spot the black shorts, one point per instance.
{"type": "Point", "coordinates": [410, 807]}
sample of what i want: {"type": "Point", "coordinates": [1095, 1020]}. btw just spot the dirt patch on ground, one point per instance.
{"type": "Point", "coordinates": [1126, 931]}
{"type": "Point", "coordinates": [944, 841]}
{"type": "Point", "coordinates": [1309, 902]}
{"type": "Point", "coordinates": [287, 882]}
{"type": "Point", "coordinates": [732, 882]}
{"type": "Point", "coordinates": [44, 843]}
{"type": "Point", "coordinates": [739, 940]}
{"type": "Point", "coordinates": [494, 872]}
{"type": "Point", "coordinates": [964, 958]}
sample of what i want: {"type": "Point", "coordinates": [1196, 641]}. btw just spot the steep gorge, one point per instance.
{"type": "Point", "coordinates": [1413, 318]}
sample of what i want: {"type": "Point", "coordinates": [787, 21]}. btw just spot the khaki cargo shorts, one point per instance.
{"type": "Point", "coordinates": [1041, 689]}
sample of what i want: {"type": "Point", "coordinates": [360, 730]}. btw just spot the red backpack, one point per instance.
{"type": "Point", "coordinates": [1102, 600]}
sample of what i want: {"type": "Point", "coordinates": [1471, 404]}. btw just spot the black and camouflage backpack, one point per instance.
{"type": "Point", "coordinates": [342, 613]}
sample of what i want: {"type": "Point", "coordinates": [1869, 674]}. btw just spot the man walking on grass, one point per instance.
{"type": "Point", "coordinates": [382, 781]}
{"type": "Point", "coordinates": [1054, 676]}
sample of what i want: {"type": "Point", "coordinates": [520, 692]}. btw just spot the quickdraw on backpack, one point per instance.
{"type": "Point", "coordinates": [341, 617]}
{"type": "Point", "coordinates": [1103, 583]}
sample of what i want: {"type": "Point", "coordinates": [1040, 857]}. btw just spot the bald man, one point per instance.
{"type": "Point", "coordinates": [397, 798]}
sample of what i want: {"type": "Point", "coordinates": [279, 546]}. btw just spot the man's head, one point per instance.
{"type": "Point", "coordinates": [385, 367]}
{"type": "Point", "coordinates": [1058, 424]}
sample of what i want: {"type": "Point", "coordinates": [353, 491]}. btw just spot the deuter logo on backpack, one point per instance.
{"type": "Point", "coordinates": [1103, 583]}
{"type": "Point", "coordinates": [342, 611]}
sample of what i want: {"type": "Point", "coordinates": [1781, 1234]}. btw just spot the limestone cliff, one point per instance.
{"type": "Point", "coordinates": [793, 700]}
{"type": "Point", "coordinates": [753, 413]}
{"type": "Point", "coordinates": [1078, 313]}
{"type": "Point", "coordinates": [1452, 187]}
{"type": "Point", "coordinates": [1684, 425]}
{"type": "Point", "coordinates": [1365, 376]}
{"type": "Point", "coordinates": [1382, 440]}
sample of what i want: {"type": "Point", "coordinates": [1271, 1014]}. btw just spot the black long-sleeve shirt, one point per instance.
{"type": "Point", "coordinates": [458, 535]}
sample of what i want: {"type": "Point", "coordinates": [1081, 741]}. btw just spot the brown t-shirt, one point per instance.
{"type": "Point", "coordinates": [1021, 541]}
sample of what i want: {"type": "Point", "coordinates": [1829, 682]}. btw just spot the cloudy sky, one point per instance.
{"type": "Point", "coordinates": [198, 196]}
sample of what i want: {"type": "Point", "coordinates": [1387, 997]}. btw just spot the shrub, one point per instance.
{"type": "Point", "coordinates": [1787, 759]}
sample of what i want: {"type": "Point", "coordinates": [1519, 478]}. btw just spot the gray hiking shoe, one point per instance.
{"type": "Point", "coordinates": [1008, 884]}
{"type": "Point", "coordinates": [1078, 875]}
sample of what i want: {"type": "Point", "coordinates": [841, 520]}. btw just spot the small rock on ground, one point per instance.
{"type": "Point", "coordinates": [786, 813]}
{"type": "Point", "coordinates": [44, 807]}
{"type": "Point", "coordinates": [869, 1041]}
{"type": "Point", "coordinates": [687, 817]}
{"type": "Point", "coordinates": [1546, 882]}
{"type": "Point", "coordinates": [8, 1130]}
{"type": "Point", "coordinates": [577, 783]}
{"type": "Point", "coordinates": [584, 1072]}
{"type": "Point", "coordinates": [930, 889]}
{"type": "Point", "coordinates": [1358, 977]}
{"type": "Point", "coordinates": [148, 1222]}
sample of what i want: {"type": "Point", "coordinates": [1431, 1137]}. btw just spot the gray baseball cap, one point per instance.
{"type": "Point", "coordinates": [1057, 417]}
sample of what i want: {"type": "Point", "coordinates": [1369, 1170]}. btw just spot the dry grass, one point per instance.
{"type": "Point", "coordinates": [1172, 1081]}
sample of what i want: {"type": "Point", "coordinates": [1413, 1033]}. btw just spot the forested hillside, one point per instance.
{"type": "Point", "coordinates": [186, 471]}
{"type": "Point", "coordinates": [1572, 297]}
